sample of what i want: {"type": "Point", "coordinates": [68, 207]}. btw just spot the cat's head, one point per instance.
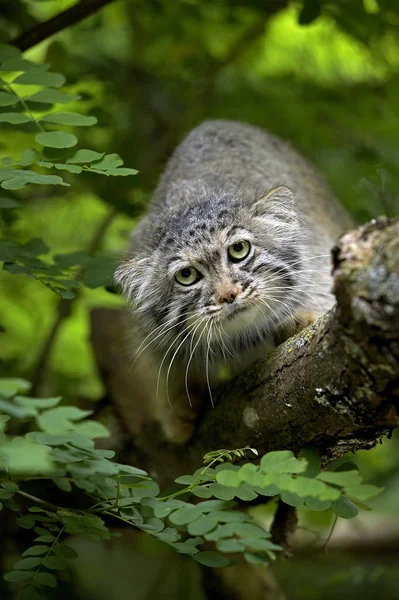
{"type": "Point", "coordinates": [222, 268]}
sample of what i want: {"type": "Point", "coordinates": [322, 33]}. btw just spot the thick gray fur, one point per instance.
{"type": "Point", "coordinates": [225, 182]}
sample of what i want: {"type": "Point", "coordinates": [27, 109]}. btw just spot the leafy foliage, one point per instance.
{"type": "Point", "coordinates": [17, 74]}
{"type": "Point", "coordinates": [204, 510]}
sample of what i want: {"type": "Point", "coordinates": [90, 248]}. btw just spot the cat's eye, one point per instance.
{"type": "Point", "coordinates": [239, 250]}
{"type": "Point", "coordinates": [187, 276]}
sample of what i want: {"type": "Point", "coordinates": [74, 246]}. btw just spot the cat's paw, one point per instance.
{"type": "Point", "coordinates": [305, 318]}
{"type": "Point", "coordinates": [295, 325]}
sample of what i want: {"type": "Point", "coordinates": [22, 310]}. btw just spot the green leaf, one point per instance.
{"type": "Point", "coordinates": [28, 563]}
{"type": "Point", "coordinates": [85, 156]}
{"type": "Point", "coordinates": [305, 486]}
{"type": "Point", "coordinates": [16, 576]}
{"type": "Point", "coordinates": [61, 419]}
{"type": "Point", "coordinates": [316, 504]}
{"type": "Point", "coordinates": [186, 479]}
{"type": "Point", "coordinates": [183, 516]}
{"type": "Point", "coordinates": [10, 486]}
{"type": "Point", "coordinates": [245, 492]}
{"type": "Point", "coordinates": [260, 544]}
{"type": "Point", "coordinates": [230, 516]}
{"type": "Point", "coordinates": [41, 78]}
{"type": "Point", "coordinates": [124, 172]}
{"type": "Point", "coordinates": [9, 387]}
{"type": "Point", "coordinates": [7, 52]}
{"type": "Point", "coordinates": [228, 478]}
{"type": "Point", "coordinates": [363, 492]}
{"type": "Point", "coordinates": [56, 139]}
{"type": "Point", "coordinates": [255, 559]}
{"type": "Point", "coordinates": [37, 402]}
{"type": "Point", "coordinates": [69, 118]}
{"type": "Point", "coordinates": [201, 492]}
{"type": "Point", "coordinates": [7, 99]}
{"type": "Point", "coordinates": [282, 461]}
{"type": "Point", "coordinates": [25, 457]}
{"type": "Point", "coordinates": [92, 429]}
{"type": "Point", "coordinates": [5, 494]}
{"type": "Point", "coordinates": [26, 521]}
{"type": "Point", "coordinates": [54, 562]}
{"type": "Point", "coordinates": [14, 118]}
{"type": "Point", "coordinates": [50, 96]}
{"type": "Point", "coordinates": [15, 179]}
{"type": "Point", "coordinates": [36, 550]}
{"type": "Point", "coordinates": [100, 271]}
{"type": "Point", "coordinates": [344, 508]}
{"type": "Point", "coordinates": [65, 551]}
{"type": "Point", "coordinates": [71, 259]}
{"type": "Point", "coordinates": [3, 420]}
{"type": "Point", "coordinates": [249, 530]}
{"type": "Point", "coordinates": [341, 478]}
{"type": "Point", "coordinates": [212, 559]}
{"type": "Point", "coordinates": [110, 161]}
{"type": "Point", "coordinates": [47, 539]}
{"type": "Point", "coordinates": [312, 457]}
{"type": "Point", "coordinates": [291, 499]}
{"type": "Point", "coordinates": [168, 535]}
{"type": "Point", "coordinates": [8, 203]}
{"type": "Point", "coordinates": [230, 545]}
{"type": "Point", "coordinates": [202, 525]}
{"type": "Point", "coordinates": [36, 246]}
{"type": "Point", "coordinates": [69, 168]}
{"type": "Point", "coordinates": [14, 64]}
{"type": "Point", "coordinates": [45, 579]}
{"type": "Point", "coordinates": [222, 492]}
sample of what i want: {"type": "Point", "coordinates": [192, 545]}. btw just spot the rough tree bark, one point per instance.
{"type": "Point", "coordinates": [335, 386]}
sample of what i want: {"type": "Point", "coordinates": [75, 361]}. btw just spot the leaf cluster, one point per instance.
{"type": "Point", "coordinates": [204, 510]}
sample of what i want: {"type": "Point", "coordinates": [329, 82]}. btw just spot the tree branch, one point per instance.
{"type": "Point", "coordinates": [68, 17]}
{"type": "Point", "coordinates": [334, 386]}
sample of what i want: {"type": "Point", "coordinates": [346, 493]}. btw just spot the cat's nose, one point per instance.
{"type": "Point", "coordinates": [227, 293]}
{"type": "Point", "coordinates": [229, 297]}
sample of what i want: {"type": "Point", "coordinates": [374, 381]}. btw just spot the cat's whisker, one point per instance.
{"type": "Point", "coordinates": [165, 328]}
{"type": "Point", "coordinates": [207, 364]}
{"type": "Point", "coordinates": [197, 322]}
{"type": "Point", "coordinates": [191, 356]}
{"type": "Point", "coordinates": [269, 307]}
{"type": "Point", "coordinates": [222, 342]}
{"type": "Point", "coordinates": [165, 355]}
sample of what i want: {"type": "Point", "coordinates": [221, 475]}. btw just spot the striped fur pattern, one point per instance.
{"type": "Point", "coordinates": [226, 184]}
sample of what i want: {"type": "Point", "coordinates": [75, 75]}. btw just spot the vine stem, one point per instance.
{"type": "Point", "coordinates": [38, 500]}
{"type": "Point", "coordinates": [330, 535]}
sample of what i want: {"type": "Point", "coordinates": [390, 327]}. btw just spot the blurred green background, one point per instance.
{"type": "Point", "coordinates": [323, 75]}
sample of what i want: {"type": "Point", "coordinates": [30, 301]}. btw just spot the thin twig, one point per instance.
{"type": "Point", "coordinates": [68, 17]}
{"type": "Point", "coordinates": [37, 500]}
{"type": "Point", "coordinates": [330, 534]}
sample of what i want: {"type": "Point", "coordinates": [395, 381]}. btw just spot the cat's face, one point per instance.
{"type": "Point", "coordinates": [219, 272]}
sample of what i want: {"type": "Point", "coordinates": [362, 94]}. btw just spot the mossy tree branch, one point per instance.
{"type": "Point", "coordinates": [335, 385]}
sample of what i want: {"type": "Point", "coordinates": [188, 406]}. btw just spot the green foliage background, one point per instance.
{"type": "Point", "coordinates": [324, 75]}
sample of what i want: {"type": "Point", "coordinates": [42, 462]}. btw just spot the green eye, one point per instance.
{"type": "Point", "coordinates": [239, 250]}
{"type": "Point", "coordinates": [187, 276]}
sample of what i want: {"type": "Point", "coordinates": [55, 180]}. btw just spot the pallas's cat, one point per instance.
{"type": "Point", "coordinates": [233, 250]}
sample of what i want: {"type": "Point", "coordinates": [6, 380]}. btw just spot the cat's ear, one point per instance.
{"type": "Point", "coordinates": [277, 203]}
